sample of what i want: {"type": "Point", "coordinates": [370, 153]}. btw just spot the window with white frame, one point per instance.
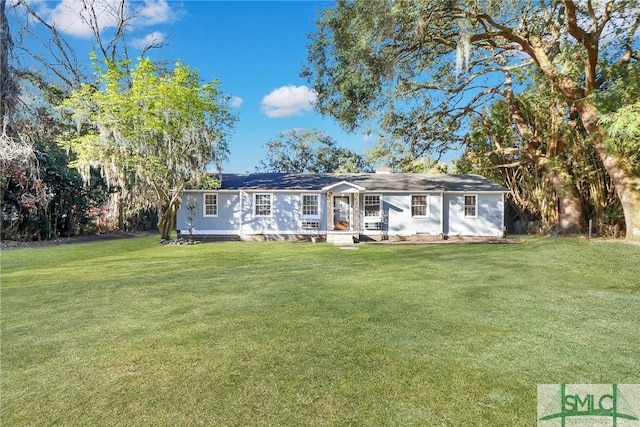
{"type": "Point", "coordinates": [310, 205]}
{"type": "Point", "coordinates": [419, 206]}
{"type": "Point", "coordinates": [262, 204]}
{"type": "Point", "coordinates": [470, 205]}
{"type": "Point", "coordinates": [210, 204]}
{"type": "Point", "coordinates": [311, 225]}
{"type": "Point", "coordinates": [371, 205]}
{"type": "Point", "coordinates": [373, 225]}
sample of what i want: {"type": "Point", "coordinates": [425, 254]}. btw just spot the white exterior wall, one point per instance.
{"type": "Point", "coordinates": [236, 214]}
{"type": "Point", "coordinates": [399, 221]}
{"type": "Point", "coordinates": [226, 222]}
{"type": "Point", "coordinates": [489, 219]}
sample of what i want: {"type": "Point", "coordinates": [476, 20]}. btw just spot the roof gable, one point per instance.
{"type": "Point", "coordinates": [344, 184]}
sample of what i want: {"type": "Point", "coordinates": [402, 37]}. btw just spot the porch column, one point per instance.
{"type": "Point", "coordinates": [330, 221]}
{"type": "Point", "coordinates": [356, 212]}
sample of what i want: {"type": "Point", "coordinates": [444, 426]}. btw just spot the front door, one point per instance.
{"type": "Point", "coordinates": [341, 210]}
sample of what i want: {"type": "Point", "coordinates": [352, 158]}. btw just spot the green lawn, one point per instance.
{"type": "Point", "coordinates": [129, 332]}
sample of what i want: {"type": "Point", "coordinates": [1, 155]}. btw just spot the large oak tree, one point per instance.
{"type": "Point", "coordinates": [311, 151]}
{"type": "Point", "coordinates": [425, 68]}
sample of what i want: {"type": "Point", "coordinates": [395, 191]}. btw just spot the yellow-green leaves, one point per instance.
{"type": "Point", "coordinates": [159, 127]}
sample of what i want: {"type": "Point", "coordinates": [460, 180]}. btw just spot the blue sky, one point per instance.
{"type": "Point", "coordinates": [255, 48]}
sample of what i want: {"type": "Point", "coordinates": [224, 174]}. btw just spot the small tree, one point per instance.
{"type": "Point", "coordinates": [192, 206]}
{"type": "Point", "coordinates": [159, 129]}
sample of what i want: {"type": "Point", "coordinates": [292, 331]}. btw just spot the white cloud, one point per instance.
{"type": "Point", "coordinates": [235, 102]}
{"type": "Point", "coordinates": [155, 12]}
{"type": "Point", "coordinates": [152, 39]}
{"type": "Point", "coordinates": [288, 101]}
{"type": "Point", "coordinates": [69, 16]}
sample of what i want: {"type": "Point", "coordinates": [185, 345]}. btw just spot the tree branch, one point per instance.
{"type": "Point", "coordinates": [69, 61]}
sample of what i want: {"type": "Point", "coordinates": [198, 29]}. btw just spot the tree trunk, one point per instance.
{"type": "Point", "coordinates": [569, 206]}
{"type": "Point", "coordinates": [120, 201]}
{"type": "Point", "coordinates": [6, 83]}
{"type": "Point", "coordinates": [119, 214]}
{"type": "Point", "coordinates": [167, 220]}
{"type": "Point", "coordinates": [626, 182]}
{"type": "Point", "coordinates": [569, 203]}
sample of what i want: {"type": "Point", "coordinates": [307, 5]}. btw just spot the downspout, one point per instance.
{"type": "Point", "coordinates": [442, 213]}
{"type": "Point", "coordinates": [504, 228]}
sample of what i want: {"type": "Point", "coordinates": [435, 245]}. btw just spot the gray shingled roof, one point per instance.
{"type": "Point", "coordinates": [370, 181]}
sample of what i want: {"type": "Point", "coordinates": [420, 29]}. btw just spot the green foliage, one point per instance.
{"type": "Point", "coordinates": [74, 208]}
{"type": "Point", "coordinates": [69, 208]}
{"type": "Point", "coordinates": [393, 154]}
{"type": "Point", "coordinates": [396, 62]}
{"type": "Point", "coordinates": [623, 129]}
{"type": "Point", "coordinates": [622, 108]}
{"type": "Point", "coordinates": [366, 62]}
{"type": "Point", "coordinates": [310, 151]}
{"type": "Point", "coordinates": [151, 128]}
{"type": "Point", "coordinates": [620, 87]}
{"type": "Point", "coordinates": [426, 70]}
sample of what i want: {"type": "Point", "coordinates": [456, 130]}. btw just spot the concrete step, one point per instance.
{"type": "Point", "coordinates": [342, 239]}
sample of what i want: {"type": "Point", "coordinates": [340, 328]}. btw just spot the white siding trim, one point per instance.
{"type": "Point", "coordinates": [504, 231]}
{"type": "Point", "coordinates": [252, 232]}
{"type": "Point", "coordinates": [346, 183]}
{"type": "Point", "coordinates": [211, 232]}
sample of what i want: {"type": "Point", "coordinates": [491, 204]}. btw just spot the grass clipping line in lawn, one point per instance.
{"type": "Point", "coordinates": [128, 332]}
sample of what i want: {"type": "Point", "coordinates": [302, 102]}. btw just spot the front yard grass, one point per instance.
{"type": "Point", "coordinates": [129, 332]}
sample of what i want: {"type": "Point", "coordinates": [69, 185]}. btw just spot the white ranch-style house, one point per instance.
{"type": "Point", "coordinates": [364, 206]}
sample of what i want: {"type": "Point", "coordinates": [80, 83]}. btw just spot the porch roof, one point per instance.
{"type": "Point", "coordinates": [370, 182]}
